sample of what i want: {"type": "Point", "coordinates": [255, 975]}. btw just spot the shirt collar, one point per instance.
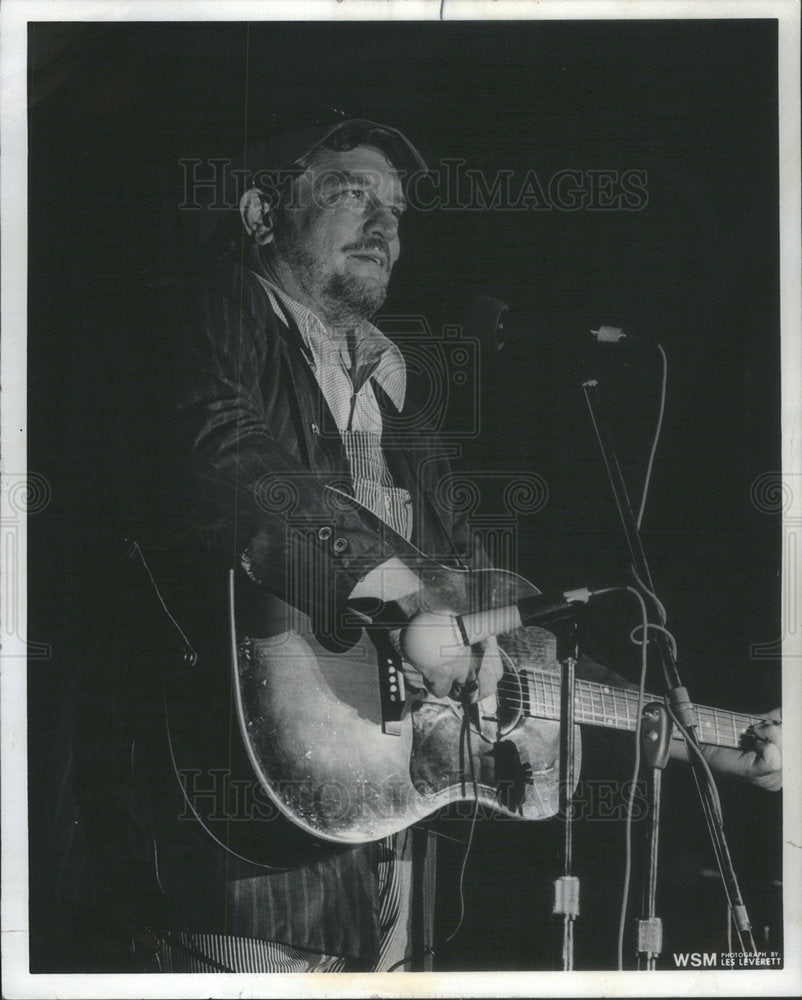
{"type": "Point", "coordinates": [391, 371]}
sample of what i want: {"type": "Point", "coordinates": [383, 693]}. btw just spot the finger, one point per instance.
{"type": "Point", "coordinates": [439, 687]}
{"type": "Point", "coordinates": [768, 757]}
{"type": "Point", "coordinates": [490, 669]}
{"type": "Point", "coordinates": [441, 681]}
{"type": "Point", "coordinates": [764, 760]}
{"type": "Point", "coordinates": [769, 731]}
{"type": "Point", "coordinates": [413, 678]}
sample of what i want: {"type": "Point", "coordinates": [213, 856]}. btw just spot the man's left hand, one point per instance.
{"type": "Point", "coordinates": [761, 762]}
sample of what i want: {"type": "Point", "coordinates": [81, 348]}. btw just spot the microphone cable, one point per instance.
{"type": "Point", "coordinates": [466, 746]}
{"type": "Point", "coordinates": [635, 769]}
{"type": "Point", "coordinates": [135, 549]}
{"type": "Point", "coordinates": [657, 432]}
{"type": "Point", "coordinates": [465, 738]}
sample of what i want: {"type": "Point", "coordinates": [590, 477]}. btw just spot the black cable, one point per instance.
{"type": "Point", "coordinates": [466, 738]}
{"type": "Point", "coordinates": [136, 550]}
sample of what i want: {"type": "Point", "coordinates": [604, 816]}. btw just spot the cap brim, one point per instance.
{"type": "Point", "coordinates": [282, 151]}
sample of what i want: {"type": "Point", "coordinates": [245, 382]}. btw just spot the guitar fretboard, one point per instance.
{"type": "Point", "coordinates": [595, 704]}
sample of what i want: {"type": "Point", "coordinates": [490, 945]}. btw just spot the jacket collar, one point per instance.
{"type": "Point", "coordinates": [374, 352]}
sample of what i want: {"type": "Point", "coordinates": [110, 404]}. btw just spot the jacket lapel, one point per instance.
{"type": "Point", "coordinates": [317, 431]}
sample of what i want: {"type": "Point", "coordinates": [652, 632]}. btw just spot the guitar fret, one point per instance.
{"type": "Point", "coordinates": [589, 713]}
{"type": "Point", "coordinates": [616, 708]}
{"type": "Point", "coordinates": [583, 705]}
{"type": "Point", "coordinates": [549, 695]}
{"type": "Point", "coordinates": [624, 710]}
{"type": "Point", "coordinates": [598, 712]}
{"type": "Point", "coordinates": [526, 700]}
{"type": "Point", "coordinates": [620, 714]}
{"type": "Point", "coordinates": [608, 718]}
{"type": "Point", "coordinates": [632, 702]}
{"type": "Point", "coordinates": [544, 697]}
{"type": "Point", "coordinates": [554, 687]}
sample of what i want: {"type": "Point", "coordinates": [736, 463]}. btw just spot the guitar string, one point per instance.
{"type": "Point", "coordinates": [707, 715]}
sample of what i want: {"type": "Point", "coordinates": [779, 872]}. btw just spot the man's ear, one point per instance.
{"type": "Point", "coordinates": [255, 211]}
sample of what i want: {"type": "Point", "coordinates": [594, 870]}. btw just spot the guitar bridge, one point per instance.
{"type": "Point", "coordinates": [392, 692]}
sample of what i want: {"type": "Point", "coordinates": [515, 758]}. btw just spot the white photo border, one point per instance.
{"type": "Point", "coordinates": [18, 982]}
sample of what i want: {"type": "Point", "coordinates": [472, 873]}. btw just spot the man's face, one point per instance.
{"type": "Point", "coordinates": [338, 240]}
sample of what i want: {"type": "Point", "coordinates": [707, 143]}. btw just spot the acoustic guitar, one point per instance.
{"type": "Point", "coordinates": [349, 753]}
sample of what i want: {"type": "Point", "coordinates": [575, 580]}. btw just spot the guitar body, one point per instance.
{"type": "Point", "coordinates": [321, 746]}
{"type": "Point", "coordinates": [320, 764]}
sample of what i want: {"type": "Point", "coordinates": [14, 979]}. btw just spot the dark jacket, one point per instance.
{"type": "Point", "coordinates": [253, 452]}
{"type": "Point", "coordinates": [262, 452]}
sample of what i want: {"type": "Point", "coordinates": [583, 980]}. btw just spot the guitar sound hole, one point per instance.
{"type": "Point", "coordinates": [511, 775]}
{"type": "Point", "coordinates": [510, 698]}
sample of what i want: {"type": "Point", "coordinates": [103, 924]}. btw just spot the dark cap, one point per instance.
{"type": "Point", "coordinates": [281, 150]}
{"type": "Point", "coordinates": [285, 149]}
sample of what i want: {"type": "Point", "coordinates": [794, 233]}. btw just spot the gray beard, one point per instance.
{"type": "Point", "coordinates": [346, 293]}
{"type": "Point", "coordinates": [345, 297]}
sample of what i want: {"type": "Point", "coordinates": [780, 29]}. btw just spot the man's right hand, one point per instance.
{"type": "Point", "coordinates": [479, 664]}
{"type": "Point", "coordinates": [446, 665]}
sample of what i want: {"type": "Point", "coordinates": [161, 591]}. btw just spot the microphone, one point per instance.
{"type": "Point", "coordinates": [485, 319]}
{"type": "Point", "coordinates": [624, 339]}
{"type": "Point", "coordinates": [539, 609]}
{"type": "Point", "coordinates": [430, 637]}
{"type": "Point", "coordinates": [491, 321]}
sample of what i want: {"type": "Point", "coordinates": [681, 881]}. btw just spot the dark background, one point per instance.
{"type": "Point", "coordinates": [693, 104]}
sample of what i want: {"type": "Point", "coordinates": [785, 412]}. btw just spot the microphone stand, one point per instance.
{"type": "Point", "coordinates": [655, 741]}
{"type": "Point", "coordinates": [566, 886]}
{"type": "Point", "coordinates": [679, 701]}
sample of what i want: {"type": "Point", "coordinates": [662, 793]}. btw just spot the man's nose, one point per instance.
{"type": "Point", "coordinates": [382, 221]}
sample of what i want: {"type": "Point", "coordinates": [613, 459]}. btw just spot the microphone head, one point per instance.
{"type": "Point", "coordinates": [484, 320]}
{"type": "Point", "coordinates": [609, 335]}
{"type": "Point", "coordinates": [430, 640]}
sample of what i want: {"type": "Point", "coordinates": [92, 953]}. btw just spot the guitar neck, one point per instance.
{"type": "Point", "coordinates": [617, 708]}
